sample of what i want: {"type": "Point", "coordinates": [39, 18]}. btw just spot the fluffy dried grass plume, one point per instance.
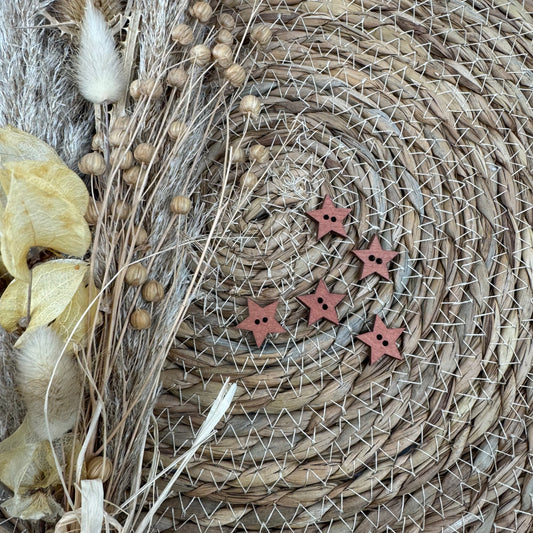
{"type": "Point", "coordinates": [48, 380]}
{"type": "Point", "coordinates": [99, 67]}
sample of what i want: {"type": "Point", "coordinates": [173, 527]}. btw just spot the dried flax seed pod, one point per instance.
{"type": "Point", "coordinates": [182, 34]}
{"type": "Point", "coordinates": [138, 236]}
{"type": "Point", "coordinates": [153, 291]}
{"type": "Point", "coordinates": [259, 153]}
{"type": "Point", "coordinates": [177, 130]}
{"type": "Point", "coordinates": [250, 105]}
{"type": "Point", "coordinates": [224, 37]}
{"type": "Point", "coordinates": [98, 142]}
{"type": "Point", "coordinates": [200, 55]}
{"type": "Point", "coordinates": [92, 163]}
{"type": "Point", "coordinates": [201, 11]}
{"type": "Point", "coordinates": [145, 153]}
{"type": "Point", "coordinates": [121, 158]}
{"type": "Point", "coordinates": [99, 468]}
{"type": "Point", "coordinates": [132, 176]}
{"type": "Point", "coordinates": [237, 152]}
{"type": "Point", "coordinates": [140, 319]}
{"type": "Point", "coordinates": [119, 137]}
{"type": "Point", "coordinates": [121, 209]}
{"type": "Point", "coordinates": [177, 77]}
{"type": "Point", "coordinates": [94, 208]}
{"type": "Point", "coordinates": [235, 74]}
{"type": "Point", "coordinates": [226, 21]}
{"type": "Point", "coordinates": [135, 89]}
{"type": "Point", "coordinates": [180, 205]}
{"type": "Point", "coordinates": [223, 55]}
{"type": "Point", "coordinates": [261, 35]}
{"type": "Point", "coordinates": [121, 123]}
{"type": "Point", "coordinates": [151, 87]}
{"type": "Point", "coordinates": [136, 275]}
{"type": "Point", "coordinates": [248, 180]}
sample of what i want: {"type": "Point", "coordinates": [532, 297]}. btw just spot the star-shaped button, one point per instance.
{"type": "Point", "coordinates": [322, 304]}
{"type": "Point", "coordinates": [382, 340]}
{"type": "Point", "coordinates": [261, 321]}
{"type": "Point", "coordinates": [375, 259]}
{"type": "Point", "coordinates": [329, 218]}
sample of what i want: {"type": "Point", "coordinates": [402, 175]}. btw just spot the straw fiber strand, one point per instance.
{"type": "Point", "coordinates": [417, 115]}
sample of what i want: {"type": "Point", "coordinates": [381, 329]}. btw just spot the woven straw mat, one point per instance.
{"type": "Point", "coordinates": [417, 115]}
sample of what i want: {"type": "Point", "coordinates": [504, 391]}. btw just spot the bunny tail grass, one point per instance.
{"type": "Point", "coordinates": [99, 68]}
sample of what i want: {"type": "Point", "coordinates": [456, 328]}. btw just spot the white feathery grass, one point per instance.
{"type": "Point", "coordinates": [37, 88]}
{"type": "Point", "coordinates": [48, 380]}
{"type": "Point", "coordinates": [99, 67]}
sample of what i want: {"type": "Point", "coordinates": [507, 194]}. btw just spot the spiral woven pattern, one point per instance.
{"type": "Point", "coordinates": [417, 115]}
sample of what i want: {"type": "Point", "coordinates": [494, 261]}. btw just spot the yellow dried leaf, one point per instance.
{"type": "Point", "coordinates": [39, 214]}
{"type": "Point", "coordinates": [75, 322]}
{"type": "Point", "coordinates": [17, 145]}
{"type": "Point", "coordinates": [55, 179]}
{"type": "Point", "coordinates": [54, 286]}
{"type": "Point", "coordinates": [28, 469]}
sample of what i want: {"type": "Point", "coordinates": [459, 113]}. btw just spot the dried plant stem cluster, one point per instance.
{"type": "Point", "coordinates": [148, 218]}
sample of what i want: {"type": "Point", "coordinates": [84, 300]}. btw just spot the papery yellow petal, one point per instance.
{"type": "Point", "coordinates": [54, 285]}
{"type": "Point", "coordinates": [76, 321]}
{"type": "Point", "coordinates": [32, 506]}
{"type": "Point", "coordinates": [53, 178]}
{"type": "Point", "coordinates": [28, 469]}
{"type": "Point", "coordinates": [35, 215]}
{"type": "Point", "coordinates": [16, 144]}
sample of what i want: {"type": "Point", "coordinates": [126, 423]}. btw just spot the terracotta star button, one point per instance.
{"type": "Point", "coordinates": [329, 218]}
{"type": "Point", "coordinates": [375, 259]}
{"type": "Point", "coordinates": [322, 304]}
{"type": "Point", "coordinates": [382, 341]}
{"type": "Point", "coordinates": [261, 321]}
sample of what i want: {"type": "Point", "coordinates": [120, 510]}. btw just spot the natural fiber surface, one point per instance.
{"type": "Point", "coordinates": [416, 115]}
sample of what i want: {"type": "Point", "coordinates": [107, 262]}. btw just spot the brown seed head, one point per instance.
{"type": "Point", "coordinates": [121, 158]}
{"type": "Point", "coordinates": [182, 34]}
{"type": "Point", "coordinates": [201, 11]}
{"type": "Point", "coordinates": [98, 468]}
{"type": "Point", "coordinates": [97, 143]}
{"type": "Point", "coordinates": [140, 319]}
{"type": "Point", "coordinates": [237, 152]}
{"type": "Point", "coordinates": [259, 153]}
{"type": "Point", "coordinates": [226, 21]}
{"type": "Point", "coordinates": [224, 37]}
{"type": "Point", "coordinates": [132, 176]}
{"type": "Point", "coordinates": [177, 77]}
{"type": "Point", "coordinates": [235, 75]}
{"type": "Point", "coordinates": [153, 291]}
{"type": "Point", "coordinates": [136, 275]}
{"type": "Point", "coordinates": [94, 208]}
{"type": "Point", "coordinates": [177, 130]}
{"type": "Point", "coordinates": [223, 55]}
{"type": "Point", "coordinates": [145, 153]}
{"type": "Point", "coordinates": [138, 235]}
{"type": "Point", "coordinates": [121, 209]}
{"type": "Point", "coordinates": [248, 180]}
{"type": "Point", "coordinates": [151, 87]}
{"type": "Point", "coordinates": [92, 163]}
{"type": "Point", "coordinates": [180, 205]}
{"type": "Point", "coordinates": [200, 55]}
{"type": "Point", "coordinates": [251, 106]}
{"type": "Point", "coordinates": [261, 35]}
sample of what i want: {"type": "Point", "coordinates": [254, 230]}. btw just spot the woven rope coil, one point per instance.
{"type": "Point", "coordinates": [417, 115]}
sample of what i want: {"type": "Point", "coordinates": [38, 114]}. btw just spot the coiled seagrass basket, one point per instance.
{"type": "Point", "coordinates": [416, 115]}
